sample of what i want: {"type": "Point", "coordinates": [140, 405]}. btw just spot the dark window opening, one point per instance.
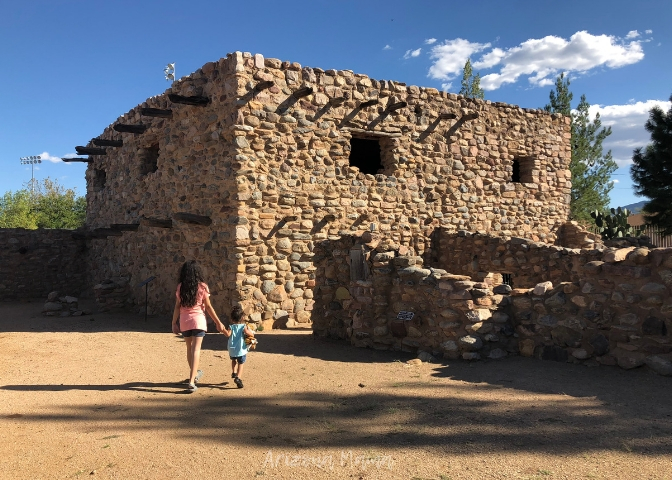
{"type": "Point", "coordinates": [522, 170]}
{"type": "Point", "coordinates": [148, 159]}
{"type": "Point", "coordinates": [507, 279]}
{"type": "Point", "coordinates": [23, 250]}
{"type": "Point", "coordinates": [365, 155]}
{"type": "Point", "coordinates": [99, 179]}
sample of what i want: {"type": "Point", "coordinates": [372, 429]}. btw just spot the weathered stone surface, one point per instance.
{"type": "Point", "coordinates": [470, 343]}
{"type": "Point", "coordinates": [542, 288]}
{"type": "Point", "coordinates": [660, 365]}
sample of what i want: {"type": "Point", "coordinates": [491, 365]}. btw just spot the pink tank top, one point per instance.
{"type": "Point", "coordinates": [192, 318]}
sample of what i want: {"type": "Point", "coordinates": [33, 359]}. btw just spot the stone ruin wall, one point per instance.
{"type": "Point", "coordinates": [194, 172]}
{"type": "Point", "coordinates": [36, 262]}
{"type": "Point", "coordinates": [298, 188]}
{"type": "Point", "coordinates": [272, 173]}
{"type": "Point", "coordinates": [617, 310]}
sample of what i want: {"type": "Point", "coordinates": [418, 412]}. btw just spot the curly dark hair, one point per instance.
{"type": "Point", "coordinates": [190, 276]}
{"type": "Point", "coordinates": [237, 314]}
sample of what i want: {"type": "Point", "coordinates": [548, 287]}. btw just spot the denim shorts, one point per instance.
{"type": "Point", "coordinates": [194, 333]}
{"type": "Point", "coordinates": [240, 359]}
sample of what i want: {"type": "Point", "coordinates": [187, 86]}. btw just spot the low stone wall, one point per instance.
{"type": "Point", "coordinates": [34, 263]}
{"type": "Point", "coordinates": [618, 312]}
{"type": "Point", "coordinates": [452, 315]}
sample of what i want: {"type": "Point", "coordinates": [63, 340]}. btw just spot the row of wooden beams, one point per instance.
{"type": "Point", "coordinates": [192, 218]}
{"type": "Point", "coordinates": [90, 151]}
{"type": "Point", "coordinates": [77, 159]}
{"type": "Point", "coordinates": [125, 128]}
{"type": "Point", "coordinates": [101, 142]}
{"type": "Point", "coordinates": [198, 100]}
{"type": "Point", "coordinates": [156, 112]}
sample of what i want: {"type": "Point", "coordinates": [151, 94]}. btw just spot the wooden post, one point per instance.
{"type": "Point", "coordinates": [101, 142]}
{"type": "Point", "coordinates": [447, 116]}
{"type": "Point", "coordinates": [156, 112]}
{"type": "Point", "coordinates": [368, 103]}
{"type": "Point", "coordinates": [196, 100]}
{"type": "Point", "coordinates": [90, 151]}
{"type": "Point", "coordinates": [124, 128]}
{"type": "Point", "coordinates": [263, 86]}
{"type": "Point", "coordinates": [395, 106]}
{"type": "Point", "coordinates": [302, 92]}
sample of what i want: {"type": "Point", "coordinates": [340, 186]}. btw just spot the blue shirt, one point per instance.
{"type": "Point", "coordinates": [237, 346]}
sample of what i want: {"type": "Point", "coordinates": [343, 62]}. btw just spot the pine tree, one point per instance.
{"type": "Point", "coordinates": [591, 169]}
{"type": "Point", "coordinates": [651, 170]}
{"type": "Point", "coordinates": [471, 84]}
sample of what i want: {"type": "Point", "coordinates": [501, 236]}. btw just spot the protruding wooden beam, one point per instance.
{"type": "Point", "coordinates": [447, 116]}
{"type": "Point", "coordinates": [197, 100]}
{"type": "Point", "coordinates": [368, 103]}
{"type": "Point", "coordinates": [77, 159]}
{"type": "Point", "coordinates": [470, 116]}
{"type": "Point", "coordinates": [125, 128]}
{"type": "Point", "coordinates": [101, 142]}
{"type": "Point", "coordinates": [192, 218]}
{"type": "Point", "coordinates": [156, 222]}
{"type": "Point", "coordinates": [125, 227]}
{"type": "Point", "coordinates": [263, 86]}
{"type": "Point", "coordinates": [395, 106]}
{"type": "Point", "coordinates": [337, 101]}
{"type": "Point", "coordinates": [105, 232]}
{"type": "Point", "coordinates": [90, 151]}
{"type": "Point", "coordinates": [290, 218]}
{"type": "Point", "coordinates": [329, 218]}
{"type": "Point", "coordinates": [302, 92]}
{"type": "Point", "coordinates": [156, 112]}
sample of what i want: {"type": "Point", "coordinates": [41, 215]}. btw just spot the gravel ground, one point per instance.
{"type": "Point", "coordinates": [98, 396]}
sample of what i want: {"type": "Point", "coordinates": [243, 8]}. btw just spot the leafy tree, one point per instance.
{"type": "Point", "coordinates": [590, 167]}
{"type": "Point", "coordinates": [471, 84]}
{"type": "Point", "coordinates": [651, 170]}
{"type": "Point", "coordinates": [16, 210]}
{"type": "Point", "coordinates": [49, 206]}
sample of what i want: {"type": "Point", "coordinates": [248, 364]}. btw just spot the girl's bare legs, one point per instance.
{"type": "Point", "coordinates": [193, 355]}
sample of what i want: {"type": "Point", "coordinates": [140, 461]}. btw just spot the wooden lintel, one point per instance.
{"type": "Point", "coordinates": [105, 232]}
{"type": "Point", "coordinates": [447, 116]}
{"type": "Point", "coordinates": [192, 218]}
{"type": "Point", "coordinates": [368, 103]}
{"type": "Point", "coordinates": [197, 100]}
{"type": "Point", "coordinates": [470, 116]}
{"type": "Point", "coordinates": [77, 159]}
{"type": "Point", "coordinates": [263, 86]}
{"type": "Point", "coordinates": [125, 227]}
{"type": "Point", "coordinates": [157, 222]}
{"type": "Point", "coordinates": [302, 92]}
{"type": "Point", "coordinates": [125, 128]}
{"type": "Point", "coordinates": [395, 106]}
{"type": "Point", "coordinates": [335, 102]}
{"type": "Point", "coordinates": [156, 112]}
{"type": "Point", "coordinates": [101, 142]}
{"type": "Point", "coordinates": [90, 151]}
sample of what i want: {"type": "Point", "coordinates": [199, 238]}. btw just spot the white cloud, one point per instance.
{"type": "Point", "coordinates": [450, 56]}
{"type": "Point", "coordinates": [540, 60]}
{"type": "Point", "coordinates": [70, 155]}
{"type": "Point", "coordinates": [387, 47]}
{"type": "Point", "coordinates": [615, 180]}
{"type": "Point", "coordinates": [632, 34]}
{"type": "Point", "coordinates": [648, 32]}
{"type": "Point", "coordinates": [50, 158]}
{"type": "Point", "coordinates": [446, 86]}
{"type": "Point", "coordinates": [412, 53]}
{"type": "Point", "coordinates": [429, 41]}
{"type": "Point", "coordinates": [627, 127]}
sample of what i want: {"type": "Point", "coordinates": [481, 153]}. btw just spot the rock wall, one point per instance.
{"type": "Point", "coordinates": [619, 312]}
{"type": "Point", "coordinates": [35, 262]}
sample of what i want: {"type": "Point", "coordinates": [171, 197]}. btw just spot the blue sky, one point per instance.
{"type": "Point", "coordinates": [69, 68]}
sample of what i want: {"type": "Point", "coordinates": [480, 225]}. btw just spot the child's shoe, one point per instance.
{"type": "Point", "coordinates": [238, 382]}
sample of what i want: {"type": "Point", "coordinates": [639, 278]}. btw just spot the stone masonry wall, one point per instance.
{"type": "Point", "coordinates": [299, 189]}
{"type": "Point", "coordinates": [618, 312]}
{"type": "Point", "coordinates": [35, 262]}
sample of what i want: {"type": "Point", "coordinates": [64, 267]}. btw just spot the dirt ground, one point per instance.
{"type": "Point", "coordinates": [98, 396]}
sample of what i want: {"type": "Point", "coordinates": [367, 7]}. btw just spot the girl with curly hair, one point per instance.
{"type": "Point", "coordinates": [191, 304]}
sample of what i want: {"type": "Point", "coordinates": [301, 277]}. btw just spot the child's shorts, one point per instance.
{"type": "Point", "coordinates": [240, 359]}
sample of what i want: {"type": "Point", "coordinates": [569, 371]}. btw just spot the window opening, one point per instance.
{"type": "Point", "coordinates": [365, 155]}
{"type": "Point", "coordinates": [507, 279]}
{"type": "Point", "coordinates": [522, 170]}
{"type": "Point", "coordinates": [148, 159]}
{"type": "Point", "coordinates": [99, 179]}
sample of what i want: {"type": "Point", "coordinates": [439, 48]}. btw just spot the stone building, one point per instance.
{"type": "Point", "coordinates": [250, 163]}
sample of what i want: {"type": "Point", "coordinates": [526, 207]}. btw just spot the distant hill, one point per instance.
{"type": "Point", "coordinates": [636, 207]}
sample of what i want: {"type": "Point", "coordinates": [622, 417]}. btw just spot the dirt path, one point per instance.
{"type": "Point", "coordinates": [97, 397]}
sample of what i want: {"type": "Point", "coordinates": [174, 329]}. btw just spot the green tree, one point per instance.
{"type": "Point", "coordinates": [16, 210]}
{"type": "Point", "coordinates": [49, 206]}
{"type": "Point", "coordinates": [651, 170]}
{"type": "Point", "coordinates": [471, 84]}
{"type": "Point", "coordinates": [590, 167]}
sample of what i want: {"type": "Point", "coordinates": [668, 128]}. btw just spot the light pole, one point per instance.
{"type": "Point", "coordinates": [32, 160]}
{"type": "Point", "coordinates": [169, 71]}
